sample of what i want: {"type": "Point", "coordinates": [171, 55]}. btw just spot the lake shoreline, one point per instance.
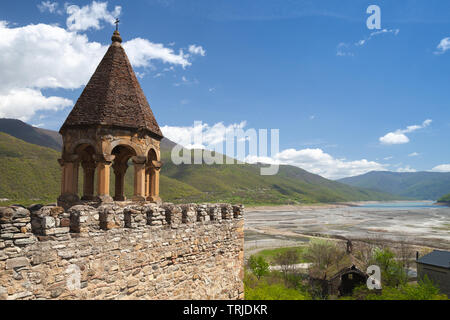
{"type": "Point", "coordinates": [289, 207]}
{"type": "Point", "coordinates": [318, 206]}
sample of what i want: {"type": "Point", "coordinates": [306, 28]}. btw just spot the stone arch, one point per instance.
{"type": "Point", "coordinates": [350, 279]}
{"type": "Point", "coordinates": [122, 154]}
{"type": "Point", "coordinates": [82, 143]}
{"type": "Point", "coordinates": [152, 150]}
{"type": "Point", "coordinates": [125, 143]}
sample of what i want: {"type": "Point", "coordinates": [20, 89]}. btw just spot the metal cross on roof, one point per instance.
{"type": "Point", "coordinates": [117, 24]}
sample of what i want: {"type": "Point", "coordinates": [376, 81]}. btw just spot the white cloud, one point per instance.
{"type": "Point", "coordinates": [211, 135]}
{"type": "Point", "coordinates": [49, 6]}
{"type": "Point", "coordinates": [91, 16]}
{"type": "Point", "coordinates": [442, 168]}
{"type": "Point", "coordinates": [197, 50]}
{"type": "Point", "coordinates": [141, 52]}
{"type": "Point", "coordinates": [44, 56]}
{"type": "Point", "coordinates": [312, 160]}
{"type": "Point", "coordinates": [394, 138]}
{"type": "Point", "coordinates": [321, 163]}
{"type": "Point", "coordinates": [24, 103]}
{"type": "Point", "coordinates": [389, 158]}
{"type": "Point", "coordinates": [346, 49]}
{"type": "Point", "coordinates": [399, 136]}
{"type": "Point", "coordinates": [186, 82]}
{"type": "Point", "coordinates": [414, 154]}
{"type": "Point", "coordinates": [41, 56]}
{"type": "Point", "coordinates": [406, 169]}
{"type": "Point", "coordinates": [443, 46]}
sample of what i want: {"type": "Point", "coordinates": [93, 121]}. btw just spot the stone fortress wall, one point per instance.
{"type": "Point", "coordinates": [122, 251]}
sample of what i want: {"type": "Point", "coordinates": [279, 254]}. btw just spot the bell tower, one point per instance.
{"type": "Point", "coordinates": [111, 124]}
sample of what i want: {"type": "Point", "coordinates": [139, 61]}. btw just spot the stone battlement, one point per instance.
{"type": "Point", "coordinates": [122, 250]}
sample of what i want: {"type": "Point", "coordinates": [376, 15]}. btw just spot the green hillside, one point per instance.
{"type": "Point", "coordinates": [30, 173]}
{"type": "Point", "coordinates": [415, 185]}
{"type": "Point", "coordinates": [445, 198]}
{"type": "Point", "coordinates": [243, 183]}
{"type": "Point", "coordinates": [27, 171]}
{"type": "Point", "coordinates": [25, 132]}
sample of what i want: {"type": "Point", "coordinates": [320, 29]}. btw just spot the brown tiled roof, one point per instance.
{"type": "Point", "coordinates": [113, 96]}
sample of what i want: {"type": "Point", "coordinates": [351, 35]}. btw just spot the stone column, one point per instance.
{"type": "Point", "coordinates": [88, 180]}
{"type": "Point", "coordinates": [139, 178]}
{"type": "Point", "coordinates": [69, 181]}
{"type": "Point", "coordinates": [147, 182]}
{"type": "Point", "coordinates": [154, 181]}
{"type": "Point", "coordinates": [120, 170]}
{"type": "Point", "coordinates": [103, 177]}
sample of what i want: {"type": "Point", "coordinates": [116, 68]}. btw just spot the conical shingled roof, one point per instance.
{"type": "Point", "coordinates": [113, 96]}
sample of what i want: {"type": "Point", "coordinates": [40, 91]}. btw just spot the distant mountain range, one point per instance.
{"type": "Point", "coordinates": [25, 132]}
{"type": "Point", "coordinates": [29, 171]}
{"type": "Point", "coordinates": [414, 185]}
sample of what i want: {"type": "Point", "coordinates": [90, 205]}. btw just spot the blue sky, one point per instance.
{"type": "Point", "coordinates": [343, 107]}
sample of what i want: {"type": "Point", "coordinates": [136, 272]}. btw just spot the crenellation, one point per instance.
{"type": "Point", "coordinates": [227, 211]}
{"type": "Point", "coordinates": [15, 227]}
{"type": "Point", "coordinates": [202, 213]}
{"type": "Point", "coordinates": [188, 212]}
{"type": "Point", "coordinates": [123, 251]}
{"type": "Point", "coordinates": [84, 218]}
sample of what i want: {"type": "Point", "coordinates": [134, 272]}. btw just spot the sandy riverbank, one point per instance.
{"type": "Point", "coordinates": [284, 208]}
{"type": "Point", "coordinates": [287, 225]}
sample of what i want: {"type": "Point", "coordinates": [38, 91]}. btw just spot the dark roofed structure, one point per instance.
{"type": "Point", "coordinates": [437, 258]}
{"type": "Point", "coordinates": [436, 266]}
{"type": "Point", "coordinates": [113, 97]}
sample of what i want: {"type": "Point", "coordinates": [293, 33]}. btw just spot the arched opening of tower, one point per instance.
{"type": "Point", "coordinates": [122, 154]}
{"type": "Point", "coordinates": [152, 176]}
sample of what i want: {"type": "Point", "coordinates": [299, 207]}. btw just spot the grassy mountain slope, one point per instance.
{"type": "Point", "coordinates": [243, 183]}
{"type": "Point", "coordinates": [29, 171]}
{"type": "Point", "coordinates": [445, 198]}
{"type": "Point", "coordinates": [417, 185]}
{"type": "Point", "coordinates": [25, 132]}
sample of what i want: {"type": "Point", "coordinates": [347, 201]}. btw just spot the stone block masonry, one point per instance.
{"type": "Point", "coordinates": [122, 251]}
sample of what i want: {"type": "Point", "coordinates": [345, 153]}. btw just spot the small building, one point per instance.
{"type": "Point", "coordinates": [341, 283]}
{"type": "Point", "coordinates": [436, 266]}
{"type": "Point", "coordinates": [111, 124]}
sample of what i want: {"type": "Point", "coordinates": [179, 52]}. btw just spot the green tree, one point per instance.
{"type": "Point", "coordinates": [324, 255]}
{"type": "Point", "coordinates": [392, 272]}
{"type": "Point", "coordinates": [259, 266]}
{"type": "Point", "coordinates": [287, 261]}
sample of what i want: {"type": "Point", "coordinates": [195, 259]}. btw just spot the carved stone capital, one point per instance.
{"type": "Point", "coordinates": [139, 160]}
{"type": "Point", "coordinates": [157, 165]}
{"type": "Point", "coordinates": [69, 158]}
{"type": "Point", "coordinates": [104, 158]}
